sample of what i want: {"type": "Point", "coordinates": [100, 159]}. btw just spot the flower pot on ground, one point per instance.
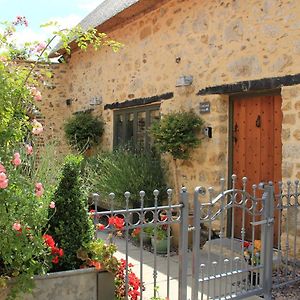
{"type": "Point", "coordinates": [159, 239]}
{"type": "Point", "coordinates": [136, 235]}
{"type": "Point", "coordinates": [161, 245]}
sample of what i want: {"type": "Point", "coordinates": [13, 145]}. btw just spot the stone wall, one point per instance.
{"type": "Point", "coordinates": [291, 165]}
{"type": "Point", "coordinates": [216, 42]}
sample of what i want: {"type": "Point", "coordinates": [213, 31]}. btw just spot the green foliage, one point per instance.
{"type": "Point", "coordinates": [71, 226]}
{"type": "Point", "coordinates": [23, 252]}
{"type": "Point", "coordinates": [122, 171]}
{"type": "Point", "coordinates": [98, 252]}
{"type": "Point", "coordinates": [13, 118]}
{"type": "Point", "coordinates": [176, 133]}
{"type": "Point", "coordinates": [84, 130]}
{"type": "Point", "coordinates": [24, 212]}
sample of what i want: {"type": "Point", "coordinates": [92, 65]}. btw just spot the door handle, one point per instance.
{"type": "Point", "coordinates": [258, 121]}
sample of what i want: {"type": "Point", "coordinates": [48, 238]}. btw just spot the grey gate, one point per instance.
{"type": "Point", "coordinates": [225, 267]}
{"type": "Point", "coordinates": [231, 268]}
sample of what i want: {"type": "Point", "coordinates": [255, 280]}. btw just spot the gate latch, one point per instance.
{"type": "Point", "coordinates": [269, 221]}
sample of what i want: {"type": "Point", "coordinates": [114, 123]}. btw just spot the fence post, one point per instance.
{"type": "Point", "coordinates": [267, 239]}
{"type": "Point", "coordinates": [183, 246]}
{"type": "Point", "coordinates": [96, 199]}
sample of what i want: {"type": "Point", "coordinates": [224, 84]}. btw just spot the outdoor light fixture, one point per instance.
{"type": "Point", "coordinates": [184, 80]}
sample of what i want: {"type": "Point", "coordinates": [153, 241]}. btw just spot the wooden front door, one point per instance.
{"type": "Point", "coordinates": [257, 147]}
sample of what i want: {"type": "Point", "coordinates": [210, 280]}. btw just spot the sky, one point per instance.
{"type": "Point", "coordinates": [67, 12]}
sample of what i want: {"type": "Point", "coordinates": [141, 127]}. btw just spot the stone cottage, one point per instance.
{"type": "Point", "coordinates": [235, 62]}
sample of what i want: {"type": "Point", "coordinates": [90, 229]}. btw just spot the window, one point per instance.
{"type": "Point", "coordinates": [131, 127]}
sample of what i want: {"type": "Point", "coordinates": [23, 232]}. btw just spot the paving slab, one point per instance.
{"type": "Point", "coordinates": [218, 286]}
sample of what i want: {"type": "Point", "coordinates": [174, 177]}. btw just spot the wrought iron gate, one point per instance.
{"type": "Point", "coordinates": [225, 267]}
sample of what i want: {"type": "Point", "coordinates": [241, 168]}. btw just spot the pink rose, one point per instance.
{"type": "Point", "coordinates": [39, 189]}
{"type": "Point", "coordinates": [38, 186]}
{"type": "Point", "coordinates": [35, 93]}
{"type": "Point", "coordinates": [3, 181]}
{"type": "Point", "coordinates": [37, 127]}
{"type": "Point", "coordinates": [52, 204]}
{"type": "Point", "coordinates": [2, 169]}
{"type": "Point", "coordinates": [4, 184]}
{"type": "Point", "coordinates": [39, 193]}
{"type": "Point", "coordinates": [16, 226]}
{"type": "Point", "coordinates": [37, 96]}
{"type": "Point", "coordinates": [29, 149]}
{"type": "Point", "coordinates": [40, 47]}
{"type": "Point", "coordinates": [2, 176]}
{"type": "Point", "coordinates": [16, 160]}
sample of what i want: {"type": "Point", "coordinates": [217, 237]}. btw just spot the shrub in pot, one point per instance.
{"type": "Point", "coordinates": [84, 130]}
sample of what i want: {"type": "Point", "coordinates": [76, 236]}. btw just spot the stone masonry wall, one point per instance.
{"type": "Point", "coordinates": [217, 42]}
{"type": "Point", "coordinates": [291, 164]}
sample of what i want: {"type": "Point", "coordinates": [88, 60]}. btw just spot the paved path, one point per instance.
{"type": "Point", "coordinates": [217, 286]}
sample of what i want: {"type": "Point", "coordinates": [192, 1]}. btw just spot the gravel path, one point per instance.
{"type": "Point", "coordinates": [291, 292]}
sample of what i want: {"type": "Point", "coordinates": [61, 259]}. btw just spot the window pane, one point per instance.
{"type": "Point", "coordinates": [119, 128]}
{"type": "Point", "coordinates": [141, 130]}
{"type": "Point", "coordinates": [154, 116]}
{"type": "Point", "coordinates": [129, 129]}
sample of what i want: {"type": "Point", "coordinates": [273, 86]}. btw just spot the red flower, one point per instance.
{"type": "Point", "coordinates": [117, 222]}
{"type": "Point", "coordinates": [49, 240]}
{"type": "Point", "coordinates": [163, 217]}
{"type": "Point", "coordinates": [246, 244]}
{"type": "Point", "coordinates": [136, 232]}
{"type": "Point", "coordinates": [61, 252]}
{"type": "Point", "coordinates": [100, 226]}
{"type": "Point", "coordinates": [92, 213]}
{"type": "Point", "coordinates": [111, 220]}
{"type": "Point", "coordinates": [55, 260]}
{"type": "Point", "coordinates": [96, 264]}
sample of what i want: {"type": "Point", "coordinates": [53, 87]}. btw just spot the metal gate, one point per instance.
{"type": "Point", "coordinates": [225, 267]}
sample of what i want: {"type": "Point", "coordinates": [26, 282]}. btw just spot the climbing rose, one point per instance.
{"type": "Point", "coordinates": [40, 47]}
{"type": "Point", "coordinates": [37, 127]}
{"type": "Point", "coordinates": [16, 160]}
{"type": "Point", "coordinates": [36, 94]}
{"type": "Point", "coordinates": [16, 226]}
{"type": "Point", "coordinates": [2, 169]}
{"type": "Point", "coordinates": [29, 149]}
{"type": "Point", "coordinates": [39, 190]}
{"type": "Point", "coordinates": [3, 181]}
{"type": "Point", "coordinates": [52, 204]}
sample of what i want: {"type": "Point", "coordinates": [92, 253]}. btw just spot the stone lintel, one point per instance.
{"type": "Point", "coordinates": [139, 101]}
{"type": "Point", "coordinates": [252, 85]}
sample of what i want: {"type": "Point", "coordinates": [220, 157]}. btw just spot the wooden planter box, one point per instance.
{"type": "Point", "coordinates": [85, 284]}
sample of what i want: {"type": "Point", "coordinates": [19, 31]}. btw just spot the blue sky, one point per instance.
{"type": "Point", "coordinates": [67, 12]}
